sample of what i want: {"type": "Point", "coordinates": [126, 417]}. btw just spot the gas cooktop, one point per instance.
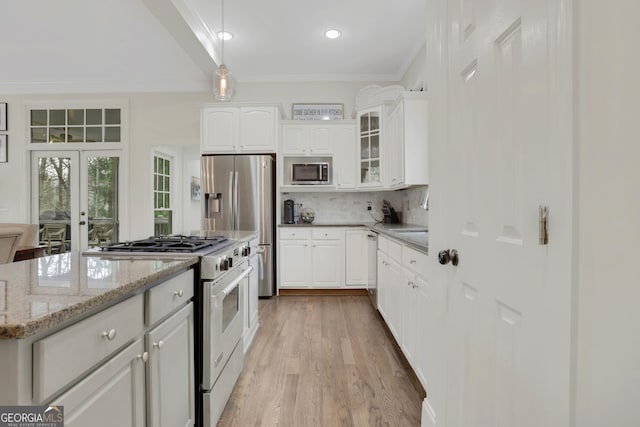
{"type": "Point", "coordinates": [180, 244]}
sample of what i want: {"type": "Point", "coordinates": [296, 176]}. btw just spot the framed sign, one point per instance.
{"type": "Point", "coordinates": [3, 116]}
{"type": "Point", "coordinates": [317, 111]}
{"type": "Point", "coordinates": [3, 148]}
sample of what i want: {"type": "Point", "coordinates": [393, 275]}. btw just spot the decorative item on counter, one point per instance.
{"type": "Point", "coordinates": [307, 215]}
{"type": "Point", "coordinates": [296, 212]}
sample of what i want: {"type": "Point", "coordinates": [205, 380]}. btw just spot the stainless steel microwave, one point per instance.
{"type": "Point", "coordinates": [317, 173]}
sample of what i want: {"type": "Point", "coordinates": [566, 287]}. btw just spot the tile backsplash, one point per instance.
{"type": "Point", "coordinates": [352, 207]}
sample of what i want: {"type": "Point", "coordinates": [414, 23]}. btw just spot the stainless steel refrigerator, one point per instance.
{"type": "Point", "coordinates": [238, 193]}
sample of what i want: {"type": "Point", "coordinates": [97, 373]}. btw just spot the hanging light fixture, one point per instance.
{"type": "Point", "coordinates": [224, 85]}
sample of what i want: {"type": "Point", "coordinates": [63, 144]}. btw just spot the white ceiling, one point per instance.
{"type": "Point", "coordinates": [68, 46]}
{"type": "Point", "coordinates": [283, 40]}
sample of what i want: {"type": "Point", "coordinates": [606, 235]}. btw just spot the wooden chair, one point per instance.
{"type": "Point", "coordinates": [100, 234]}
{"type": "Point", "coordinates": [54, 236]}
{"type": "Point", "coordinates": [9, 238]}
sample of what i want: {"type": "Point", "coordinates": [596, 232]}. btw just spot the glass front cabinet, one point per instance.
{"type": "Point", "coordinates": [370, 152]}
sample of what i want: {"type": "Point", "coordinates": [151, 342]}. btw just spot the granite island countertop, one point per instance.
{"type": "Point", "coordinates": [40, 294]}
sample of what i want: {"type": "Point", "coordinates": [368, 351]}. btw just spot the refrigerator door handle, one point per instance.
{"type": "Point", "coordinates": [236, 213]}
{"type": "Point", "coordinates": [261, 265]}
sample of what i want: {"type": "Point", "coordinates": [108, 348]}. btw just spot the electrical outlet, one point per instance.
{"type": "Point", "coordinates": [369, 205]}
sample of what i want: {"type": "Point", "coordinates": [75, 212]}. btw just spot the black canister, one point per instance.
{"type": "Point", "coordinates": [288, 211]}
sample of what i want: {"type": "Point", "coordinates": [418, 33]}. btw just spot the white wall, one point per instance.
{"type": "Point", "coordinates": [608, 318]}
{"type": "Point", "coordinates": [156, 119]}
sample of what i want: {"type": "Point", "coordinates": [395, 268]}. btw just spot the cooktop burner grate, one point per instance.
{"type": "Point", "coordinates": [184, 244]}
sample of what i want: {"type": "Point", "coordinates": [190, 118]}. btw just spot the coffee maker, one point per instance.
{"type": "Point", "coordinates": [289, 208]}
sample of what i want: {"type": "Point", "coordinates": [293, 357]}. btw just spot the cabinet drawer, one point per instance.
{"type": "Point", "coordinates": [63, 356]}
{"type": "Point", "coordinates": [322, 233]}
{"type": "Point", "coordinates": [414, 260]}
{"type": "Point", "coordinates": [394, 250]}
{"type": "Point", "coordinates": [295, 233]}
{"type": "Point", "coordinates": [168, 296]}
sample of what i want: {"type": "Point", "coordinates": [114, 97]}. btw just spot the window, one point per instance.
{"type": "Point", "coordinates": [162, 213]}
{"type": "Point", "coordinates": [75, 125]}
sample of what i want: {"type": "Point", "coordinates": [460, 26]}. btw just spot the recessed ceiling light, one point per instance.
{"type": "Point", "coordinates": [332, 34]}
{"type": "Point", "coordinates": [224, 35]}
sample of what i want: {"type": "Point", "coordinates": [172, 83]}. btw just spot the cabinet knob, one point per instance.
{"type": "Point", "coordinates": [158, 344]}
{"type": "Point", "coordinates": [178, 293]}
{"type": "Point", "coordinates": [110, 334]}
{"type": "Point", "coordinates": [413, 261]}
{"type": "Point", "coordinates": [144, 357]}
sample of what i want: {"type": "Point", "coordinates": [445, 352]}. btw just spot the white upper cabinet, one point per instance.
{"type": "Point", "coordinates": [406, 152]}
{"type": "Point", "coordinates": [307, 139]}
{"type": "Point", "coordinates": [392, 137]}
{"type": "Point", "coordinates": [231, 129]}
{"type": "Point", "coordinates": [344, 157]}
{"type": "Point", "coordinates": [370, 133]}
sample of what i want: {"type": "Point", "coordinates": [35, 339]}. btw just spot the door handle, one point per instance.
{"type": "Point", "coordinates": [82, 223]}
{"type": "Point", "coordinates": [448, 255]}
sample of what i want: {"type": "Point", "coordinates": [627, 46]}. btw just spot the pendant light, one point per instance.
{"type": "Point", "coordinates": [224, 85]}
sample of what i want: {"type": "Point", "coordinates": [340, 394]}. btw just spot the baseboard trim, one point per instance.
{"type": "Point", "coordinates": [324, 292]}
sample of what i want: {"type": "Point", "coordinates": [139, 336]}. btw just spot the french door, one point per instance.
{"type": "Point", "coordinates": [76, 198]}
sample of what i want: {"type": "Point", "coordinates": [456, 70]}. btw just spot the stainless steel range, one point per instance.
{"type": "Point", "coordinates": [171, 244]}
{"type": "Point", "coordinates": [222, 280]}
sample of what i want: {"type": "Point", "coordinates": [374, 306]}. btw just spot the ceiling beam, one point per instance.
{"type": "Point", "coordinates": [189, 30]}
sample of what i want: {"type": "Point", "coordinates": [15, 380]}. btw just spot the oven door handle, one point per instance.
{"type": "Point", "coordinates": [226, 291]}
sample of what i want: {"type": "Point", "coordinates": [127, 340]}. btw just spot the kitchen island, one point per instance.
{"type": "Point", "coordinates": [98, 336]}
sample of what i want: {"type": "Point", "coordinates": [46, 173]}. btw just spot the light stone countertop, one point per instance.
{"type": "Point", "coordinates": [394, 231]}
{"type": "Point", "coordinates": [39, 294]}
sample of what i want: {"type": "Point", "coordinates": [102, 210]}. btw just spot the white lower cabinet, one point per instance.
{"type": "Point", "coordinates": [383, 283]}
{"type": "Point", "coordinates": [390, 285]}
{"type": "Point", "coordinates": [412, 308]}
{"type": "Point", "coordinates": [294, 261]}
{"type": "Point", "coordinates": [113, 395]}
{"type": "Point", "coordinates": [117, 346]}
{"type": "Point", "coordinates": [170, 371]}
{"type": "Point", "coordinates": [311, 257]}
{"type": "Point", "coordinates": [356, 257]}
{"type": "Point", "coordinates": [252, 295]}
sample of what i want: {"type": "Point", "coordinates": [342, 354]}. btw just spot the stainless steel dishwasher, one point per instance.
{"type": "Point", "coordinates": [372, 271]}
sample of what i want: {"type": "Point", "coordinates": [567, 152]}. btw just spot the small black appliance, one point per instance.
{"type": "Point", "coordinates": [288, 211]}
{"type": "Point", "coordinates": [390, 215]}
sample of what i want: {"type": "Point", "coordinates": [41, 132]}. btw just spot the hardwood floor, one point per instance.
{"type": "Point", "coordinates": [323, 361]}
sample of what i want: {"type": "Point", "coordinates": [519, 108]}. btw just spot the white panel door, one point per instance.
{"type": "Point", "coordinates": [258, 129]}
{"type": "Point", "coordinates": [219, 132]}
{"type": "Point", "coordinates": [508, 323]}
{"type": "Point", "coordinates": [294, 264]}
{"type": "Point", "coordinates": [327, 264]}
{"type": "Point", "coordinates": [113, 395]}
{"type": "Point", "coordinates": [171, 392]}
{"type": "Point", "coordinates": [356, 259]}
